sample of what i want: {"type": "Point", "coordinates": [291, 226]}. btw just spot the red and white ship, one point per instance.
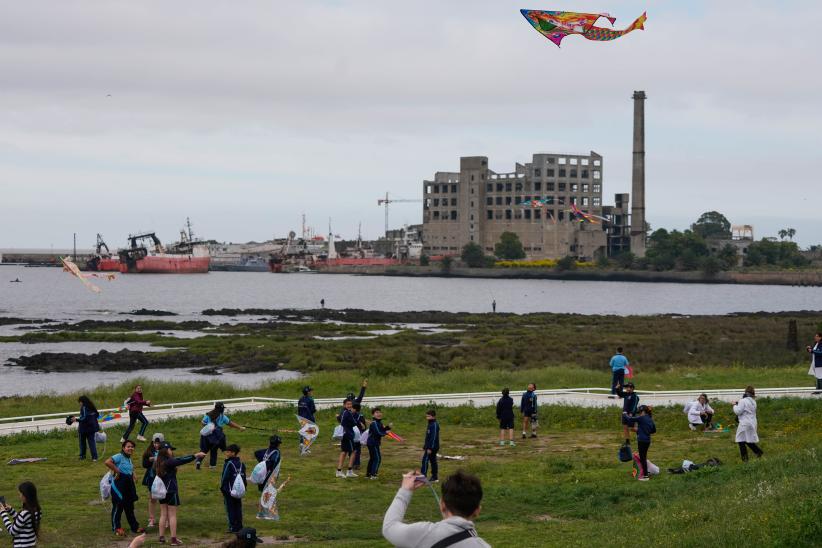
{"type": "Point", "coordinates": [147, 255]}
{"type": "Point", "coordinates": [103, 261]}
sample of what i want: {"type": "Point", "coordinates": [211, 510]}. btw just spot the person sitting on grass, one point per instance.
{"type": "Point", "coordinates": [528, 408]}
{"type": "Point", "coordinates": [460, 504]}
{"type": "Point", "coordinates": [630, 404]}
{"type": "Point", "coordinates": [645, 427]}
{"type": "Point", "coordinates": [505, 416]}
{"type": "Point", "coordinates": [700, 414]}
{"type": "Point", "coordinates": [23, 526]}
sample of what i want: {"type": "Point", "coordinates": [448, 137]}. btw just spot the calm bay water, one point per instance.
{"type": "Point", "coordinates": [49, 293]}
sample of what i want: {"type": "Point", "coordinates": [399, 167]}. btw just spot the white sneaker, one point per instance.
{"type": "Point", "coordinates": [340, 474]}
{"type": "Point", "coordinates": [140, 438]}
{"type": "Point", "coordinates": [351, 474]}
{"type": "Point", "coordinates": [692, 427]}
{"type": "Point", "coordinates": [644, 478]}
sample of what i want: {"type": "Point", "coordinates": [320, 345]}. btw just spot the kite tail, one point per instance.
{"type": "Point", "coordinates": [639, 23]}
{"type": "Point", "coordinates": [600, 34]}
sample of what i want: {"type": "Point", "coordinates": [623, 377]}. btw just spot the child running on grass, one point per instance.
{"type": "Point", "coordinates": [505, 415]}
{"type": "Point", "coordinates": [135, 404]}
{"type": "Point", "coordinates": [232, 468]}
{"type": "Point", "coordinates": [645, 427]}
{"type": "Point", "coordinates": [272, 459]}
{"type": "Point", "coordinates": [376, 431]}
{"type": "Point", "coordinates": [630, 404]}
{"type": "Point", "coordinates": [528, 407]}
{"type": "Point", "coordinates": [431, 446]}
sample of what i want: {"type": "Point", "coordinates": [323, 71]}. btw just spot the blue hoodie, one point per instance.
{"type": "Point", "coordinates": [645, 427]}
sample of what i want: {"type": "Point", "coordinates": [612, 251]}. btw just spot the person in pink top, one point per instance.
{"type": "Point", "coordinates": [135, 404]}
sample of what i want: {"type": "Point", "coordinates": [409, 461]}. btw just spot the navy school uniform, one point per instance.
{"type": "Point", "coordinates": [505, 412]}
{"type": "Point", "coordinates": [528, 404]}
{"type": "Point", "coordinates": [630, 404]}
{"type": "Point", "coordinates": [357, 445]}
{"type": "Point", "coordinates": [306, 408]}
{"type": "Point", "coordinates": [216, 440]}
{"type": "Point", "coordinates": [123, 494]}
{"type": "Point", "coordinates": [376, 431]}
{"type": "Point", "coordinates": [169, 478]}
{"type": "Point", "coordinates": [432, 443]}
{"type": "Point", "coordinates": [272, 460]}
{"type": "Point", "coordinates": [233, 506]}
{"type": "Point", "coordinates": [148, 464]}
{"type": "Point", "coordinates": [87, 426]}
{"type": "Point", "coordinates": [348, 421]}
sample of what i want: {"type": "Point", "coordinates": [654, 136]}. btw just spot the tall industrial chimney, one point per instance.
{"type": "Point", "coordinates": [638, 178]}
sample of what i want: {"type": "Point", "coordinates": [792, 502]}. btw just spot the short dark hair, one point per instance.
{"type": "Point", "coordinates": [619, 349]}
{"type": "Point", "coordinates": [375, 409]}
{"type": "Point", "coordinates": [462, 493]}
{"type": "Point", "coordinates": [356, 406]}
{"type": "Point", "coordinates": [233, 448]}
{"type": "Point", "coordinates": [505, 391]}
{"type": "Point", "coordinates": [431, 412]}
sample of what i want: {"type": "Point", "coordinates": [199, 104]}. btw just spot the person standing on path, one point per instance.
{"type": "Point", "coordinates": [505, 416]}
{"type": "Point", "coordinates": [816, 361]}
{"type": "Point", "coordinates": [494, 305]}
{"type": "Point", "coordinates": [528, 408]}
{"type": "Point", "coordinates": [746, 434]}
{"type": "Point", "coordinates": [135, 405]}
{"type": "Point", "coordinates": [322, 303]}
{"type": "Point", "coordinates": [619, 366]}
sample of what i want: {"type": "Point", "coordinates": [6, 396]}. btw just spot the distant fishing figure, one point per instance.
{"type": "Point", "coordinates": [322, 303]}
{"type": "Point", "coordinates": [494, 306]}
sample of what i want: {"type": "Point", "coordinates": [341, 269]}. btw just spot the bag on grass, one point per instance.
{"type": "Point", "coordinates": [207, 429]}
{"type": "Point", "coordinates": [158, 489]}
{"type": "Point", "coordinates": [238, 488]}
{"type": "Point", "coordinates": [624, 454]}
{"type": "Point", "coordinates": [105, 486]}
{"type": "Point", "coordinates": [100, 437]}
{"type": "Point", "coordinates": [338, 432]}
{"type": "Point", "coordinates": [259, 473]}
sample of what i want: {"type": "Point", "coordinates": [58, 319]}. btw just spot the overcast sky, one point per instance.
{"type": "Point", "coordinates": [119, 116]}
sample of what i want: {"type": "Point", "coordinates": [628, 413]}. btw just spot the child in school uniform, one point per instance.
{"type": "Point", "coordinates": [645, 427]}
{"type": "Point", "coordinates": [431, 446]}
{"type": "Point", "coordinates": [505, 415]}
{"type": "Point", "coordinates": [232, 467]}
{"type": "Point", "coordinates": [272, 459]}
{"type": "Point", "coordinates": [123, 490]}
{"type": "Point", "coordinates": [376, 431]}
{"type": "Point", "coordinates": [361, 427]}
{"type": "Point", "coordinates": [630, 404]}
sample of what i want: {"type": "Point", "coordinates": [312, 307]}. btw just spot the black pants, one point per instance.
{"type": "Point", "coordinates": [819, 384]}
{"type": "Point", "coordinates": [617, 378]}
{"type": "Point", "coordinates": [643, 456]}
{"type": "Point", "coordinates": [743, 451]}
{"type": "Point", "coordinates": [132, 420]}
{"type": "Point", "coordinates": [124, 502]}
{"type": "Point", "coordinates": [357, 453]}
{"type": "Point", "coordinates": [234, 511]}
{"type": "Point", "coordinates": [430, 458]}
{"type": "Point", "coordinates": [211, 448]}
{"type": "Point", "coordinates": [88, 438]}
{"type": "Point", "coordinates": [374, 460]}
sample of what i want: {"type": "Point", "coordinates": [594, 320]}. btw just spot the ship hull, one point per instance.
{"type": "Point", "coordinates": [167, 264]}
{"type": "Point", "coordinates": [103, 264]}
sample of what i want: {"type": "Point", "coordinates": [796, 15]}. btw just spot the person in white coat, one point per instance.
{"type": "Point", "coordinates": [746, 435]}
{"type": "Point", "coordinates": [816, 361]}
{"type": "Point", "coordinates": [700, 413]}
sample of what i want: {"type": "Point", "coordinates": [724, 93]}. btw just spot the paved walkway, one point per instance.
{"type": "Point", "coordinates": [579, 397]}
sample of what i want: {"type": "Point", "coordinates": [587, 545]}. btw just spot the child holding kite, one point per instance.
{"type": "Point", "coordinates": [165, 468]}
{"type": "Point", "coordinates": [135, 404]}
{"type": "Point", "coordinates": [212, 436]}
{"type": "Point", "coordinates": [272, 459]}
{"type": "Point", "coordinates": [645, 428]}
{"type": "Point", "coordinates": [430, 446]}
{"type": "Point", "coordinates": [123, 490]}
{"type": "Point", "coordinates": [376, 431]}
{"type": "Point", "coordinates": [232, 469]}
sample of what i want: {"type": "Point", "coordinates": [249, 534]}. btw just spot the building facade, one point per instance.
{"type": "Point", "coordinates": [477, 205]}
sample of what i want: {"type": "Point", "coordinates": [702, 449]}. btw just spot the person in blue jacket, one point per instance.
{"type": "Point", "coordinates": [645, 428]}
{"type": "Point", "coordinates": [348, 421]}
{"type": "Point", "coordinates": [87, 426]}
{"type": "Point", "coordinates": [619, 366]}
{"type": "Point", "coordinates": [816, 360]}
{"type": "Point", "coordinates": [306, 407]}
{"type": "Point", "coordinates": [272, 459]}
{"type": "Point", "coordinates": [430, 446]}
{"type": "Point", "coordinates": [630, 406]}
{"type": "Point", "coordinates": [528, 408]}
{"type": "Point", "coordinates": [376, 432]}
{"type": "Point", "coordinates": [165, 468]}
{"type": "Point", "coordinates": [123, 490]}
{"type": "Point", "coordinates": [232, 468]}
{"type": "Point", "coordinates": [216, 439]}
{"type": "Point", "coordinates": [505, 416]}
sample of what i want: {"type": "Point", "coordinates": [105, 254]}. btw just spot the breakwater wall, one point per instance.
{"type": "Point", "coordinates": [797, 277]}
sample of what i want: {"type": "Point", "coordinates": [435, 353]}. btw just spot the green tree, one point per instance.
{"type": "Point", "coordinates": [790, 233]}
{"type": "Point", "coordinates": [424, 260]}
{"type": "Point", "coordinates": [445, 264]}
{"type": "Point", "coordinates": [472, 255]}
{"type": "Point", "coordinates": [603, 262]}
{"type": "Point", "coordinates": [782, 234]}
{"type": "Point", "coordinates": [567, 263]}
{"type": "Point", "coordinates": [626, 259]}
{"type": "Point", "coordinates": [771, 253]}
{"type": "Point", "coordinates": [509, 247]}
{"type": "Point", "coordinates": [712, 224]}
{"type": "Point", "coordinates": [711, 266]}
{"type": "Point", "coordinates": [728, 257]}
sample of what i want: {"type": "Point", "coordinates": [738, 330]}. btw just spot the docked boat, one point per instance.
{"type": "Point", "coordinates": [147, 255]}
{"type": "Point", "coordinates": [103, 261]}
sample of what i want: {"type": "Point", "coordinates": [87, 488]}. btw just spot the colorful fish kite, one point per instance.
{"type": "Point", "coordinates": [74, 270]}
{"type": "Point", "coordinates": [308, 433]}
{"type": "Point", "coordinates": [268, 500]}
{"type": "Point", "coordinates": [556, 25]}
{"type": "Point", "coordinates": [578, 215]}
{"type": "Point", "coordinates": [394, 437]}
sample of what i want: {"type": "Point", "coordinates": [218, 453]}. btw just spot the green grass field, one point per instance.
{"type": "Point", "coordinates": [564, 488]}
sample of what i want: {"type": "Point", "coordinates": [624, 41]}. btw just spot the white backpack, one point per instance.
{"type": "Point", "coordinates": [364, 437]}
{"type": "Point", "coordinates": [259, 473]}
{"type": "Point", "coordinates": [208, 429]}
{"type": "Point", "coordinates": [158, 489]}
{"type": "Point", "coordinates": [338, 432]}
{"type": "Point", "coordinates": [105, 486]}
{"type": "Point", "coordinates": [238, 489]}
{"type": "Point", "coordinates": [100, 437]}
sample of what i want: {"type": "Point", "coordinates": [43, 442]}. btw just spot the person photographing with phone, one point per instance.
{"type": "Point", "coordinates": [23, 526]}
{"type": "Point", "coordinates": [459, 505]}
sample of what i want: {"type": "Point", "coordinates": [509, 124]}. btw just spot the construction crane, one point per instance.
{"type": "Point", "coordinates": [385, 201]}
